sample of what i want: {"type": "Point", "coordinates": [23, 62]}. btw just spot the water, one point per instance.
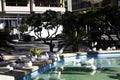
{"type": "Point", "coordinates": [107, 69]}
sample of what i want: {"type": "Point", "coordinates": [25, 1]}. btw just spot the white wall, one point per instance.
{"type": "Point", "coordinates": [17, 9]}
{"type": "Point", "coordinates": [43, 9]}
{"type": "Point", "coordinates": [26, 9]}
{"type": "Point", "coordinates": [0, 6]}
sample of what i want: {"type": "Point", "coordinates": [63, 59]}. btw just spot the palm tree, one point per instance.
{"type": "Point", "coordinates": [73, 31]}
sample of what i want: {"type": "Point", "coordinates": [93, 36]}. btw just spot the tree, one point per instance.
{"type": "Point", "coordinates": [52, 24]}
{"type": "Point", "coordinates": [49, 23]}
{"type": "Point", "coordinates": [112, 21]}
{"type": "Point", "coordinates": [24, 26]}
{"type": "Point", "coordinates": [94, 19]}
{"type": "Point", "coordinates": [104, 20]}
{"type": "Point", "coordinates": [73, 30]}
{"type": "Point", "coordinates": [5, 39]}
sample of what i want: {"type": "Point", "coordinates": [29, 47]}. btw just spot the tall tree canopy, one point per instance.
{"type": "Point", "coordinates": [46, 26]}
{"type": "Point", "coordinates": [73, 30]}
{"type": "Point", "coordinates": [104, 20]}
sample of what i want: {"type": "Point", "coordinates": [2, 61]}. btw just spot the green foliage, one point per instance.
{"type": "Point", "coordinates": [52, 19]}
{"type": "Point", "coordinates": [73, 28]}
{"type": "Point", "coordinates": [23, 28]}
{"type": "Point", "coordinates": [35, 51]}
{"type": "Point", "coordinates": [74, 23]}
{"type": "Point", "coordinates": [33, 19]}
{"type": "Point", "coordinates": [105, 20]}
{"type": "Point", "coordinates": [4, 37]}
{"type": "Point", "coordinates": [49, 20]}
{"type": "Point", "coordinates": [94, 17]}
{"type": "Point", "coordinates": [7, 50]}
{"type": "Point", "coordinates": [98, 21]}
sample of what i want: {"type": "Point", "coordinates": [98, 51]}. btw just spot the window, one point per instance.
{"type": "Point", "coordinates": [16, 2]}
{"type": "Point", "coordinates": [10, 2]}
{"type": "Point", "coordinates": [40, 2]}
{"type": "Point", "coordinates": [52, 3]}
{"type": "Point", "coordinates": [77, 4]}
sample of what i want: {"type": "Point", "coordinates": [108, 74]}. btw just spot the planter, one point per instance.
{"type": "Point", "coordinates": [28, 64]}
{"type": "Point", "coordinates": [3, 63]}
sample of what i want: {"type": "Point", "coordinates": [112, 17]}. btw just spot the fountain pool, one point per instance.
{"type": "Point", "coordinates": [108, 68]}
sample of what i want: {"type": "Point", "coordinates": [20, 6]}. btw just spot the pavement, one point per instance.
{"type": "Point", "coordinates": [6, 77]}
{"type": "Point", "coordinates": [16, 73]}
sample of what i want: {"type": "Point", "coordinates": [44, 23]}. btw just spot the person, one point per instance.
{"type": "Point", "coordinates": [15, 33]}
{"type": "Point", "coordinates": [11, 34]}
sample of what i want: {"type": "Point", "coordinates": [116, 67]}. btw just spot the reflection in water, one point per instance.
{"type": "Point", "coordinates": [101, 63]}
{"type": "Point", "coordinates": [93, 72]}
{"type": "Point", "coordinates": [107, 68]}
{"type": "Point", "coordinates": [117, 76]}
{"type": "Point", "coordinates": [58, 71]}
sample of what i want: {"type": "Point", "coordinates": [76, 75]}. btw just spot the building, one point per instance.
{"type": "Point", "coordinates": [74, 5]}
{"type": "Point", "coordinates": [12, 11]}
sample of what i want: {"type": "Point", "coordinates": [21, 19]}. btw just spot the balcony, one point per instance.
{"type": "Point", "coordinates": [17, 9]}
{"type": "Point", "coordinates": [40, 6]}
{"type": "Point", "coordinates": [43, 9]}
{"type": "Point", "coordinates": [14, 7]}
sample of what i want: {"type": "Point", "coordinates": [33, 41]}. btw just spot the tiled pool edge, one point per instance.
{"type": "Point", "coordinates": [45, 68]}
{"type": "Point", "coordinates": [41, 70]}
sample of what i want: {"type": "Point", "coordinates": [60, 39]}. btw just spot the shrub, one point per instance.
{"type": "Point", "coordinates": [35, 51]}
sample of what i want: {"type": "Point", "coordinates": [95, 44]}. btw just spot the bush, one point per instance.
{"type": "Point", "coordinates": [4, 36]}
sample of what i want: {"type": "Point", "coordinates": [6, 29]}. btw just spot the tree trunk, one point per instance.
{"type": "Point", "coordinates": [75, 47]}
{"type": "Point", "coordinates": [51, 46]}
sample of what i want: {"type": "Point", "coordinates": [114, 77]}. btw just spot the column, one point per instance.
{"type": "Point", "coordinates": [2, 5]}
{"type": "Point", "coordinates": [31, 2]}
{"type": "Point", "coordinates": [62, 3]}
{"type": "Point", "coordinates": [69, 5]}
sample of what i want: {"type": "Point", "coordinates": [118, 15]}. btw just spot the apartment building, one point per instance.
{"type": "Point", "coordinates": [74, 5]}
{"type": "Point", "coordinates": [12, 11]}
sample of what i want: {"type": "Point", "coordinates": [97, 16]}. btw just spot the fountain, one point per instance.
{"type": "Point", "coordinates": [81, 68]}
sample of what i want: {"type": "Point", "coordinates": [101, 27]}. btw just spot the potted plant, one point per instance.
{"type": "Point", "coordinates": [28, 64]}
{"type": "Point", "coordinates": [35, 52]}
